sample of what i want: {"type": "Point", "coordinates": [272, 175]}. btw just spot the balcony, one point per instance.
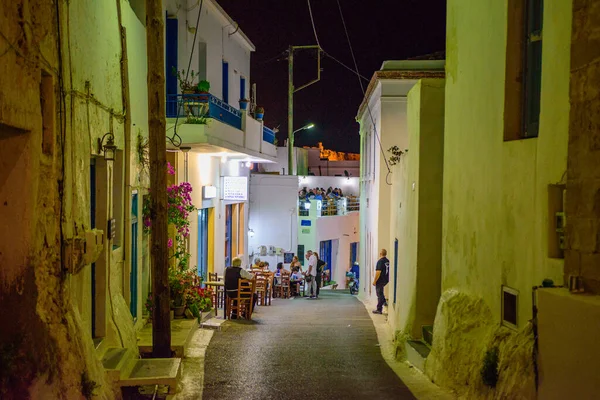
{"type": "Point", "coordinates": [329, 207]}
{"type": "Point", "coordinates": [206, 122]}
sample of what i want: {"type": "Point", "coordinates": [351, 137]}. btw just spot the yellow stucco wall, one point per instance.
{"type": "Point", "coordinates": [495, 192]}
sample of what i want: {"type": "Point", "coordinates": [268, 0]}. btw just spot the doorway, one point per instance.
{"type": "Point", "coordinates": [228, 233]}
{"type": "Point", "coordinates": [325, 253]}
{"type": "Point", "coordinates": [203, 242]}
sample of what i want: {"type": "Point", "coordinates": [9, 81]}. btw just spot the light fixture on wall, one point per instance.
{"type": "Point", "coordinates": [307, 205]}
{"type": "Point", "coordinates": [251, 232]}
{"type": "Point", "coordinates": [109, 148]}
{"type": "Point", "coordinates": [248, 164]}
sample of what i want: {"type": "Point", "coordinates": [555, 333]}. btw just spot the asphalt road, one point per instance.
{"type": "Point", "coordinates": [301, 349]}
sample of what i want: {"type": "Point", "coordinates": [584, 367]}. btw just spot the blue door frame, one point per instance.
{"type": "Point", "coordinates": [325, 255]}
{"type": "Point", "coordinates": [203, 242]}
{"type": "Point", "coordinates": [225, 81]}
{"type": "Point", "coordinates": [133, 282]}
{"type": "Point", "coordinates": [395, 268]}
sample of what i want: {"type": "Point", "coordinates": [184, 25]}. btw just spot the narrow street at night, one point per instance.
{"type": "Point", "coordinates": [297, 349]}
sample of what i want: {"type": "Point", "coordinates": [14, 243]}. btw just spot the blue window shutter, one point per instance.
{"type": "Point", "coordinates": [226, 82]}
{"type": "Point", "coordinates": [171, 55]}
{"type": "Point", "coordinates": [242, 88]}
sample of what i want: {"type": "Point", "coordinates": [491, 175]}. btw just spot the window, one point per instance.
{"type": "Point", "coordinates": [523, 69]}
{"type": "Point", "coordinates": [510, 299]}
{"type": "Point", "coordinates": [225, 81]}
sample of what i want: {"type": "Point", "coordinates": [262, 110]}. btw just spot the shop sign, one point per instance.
{"type": "Point", "coordinates": [235, 188]}
{"type": "Point", "coordinates": [209, 192]}
{"type": "Point", "coordinates": [305, 222]}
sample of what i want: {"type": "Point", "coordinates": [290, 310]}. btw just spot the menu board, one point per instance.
{"type": "Point", "coordinates": [235, 188]}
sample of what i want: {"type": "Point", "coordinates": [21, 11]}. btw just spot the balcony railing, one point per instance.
{"type": "Point", "coordinates": [199, 106]}
{"type": "Point", "coordinates": [330, 206]}
{"type": "Point", "coordinates": [268, 135]}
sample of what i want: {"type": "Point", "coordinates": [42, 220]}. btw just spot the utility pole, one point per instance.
{"type": "Point", "coordinates": [161, 321]}
{"type": "Point", "coordinates": [291, 91]}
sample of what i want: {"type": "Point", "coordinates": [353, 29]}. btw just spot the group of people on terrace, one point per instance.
{"type": "Point", "coordinates": [320, 193]}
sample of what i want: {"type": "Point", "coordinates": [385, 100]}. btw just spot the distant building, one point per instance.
{"type": "Point", "coordinates": [324, 162]}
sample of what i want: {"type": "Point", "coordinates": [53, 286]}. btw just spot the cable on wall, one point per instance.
{"type": "Point", "coordinates": [177, 142]}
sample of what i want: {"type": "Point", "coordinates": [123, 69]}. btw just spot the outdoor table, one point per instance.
{"type": "Point", "coordinates": [217, 285]}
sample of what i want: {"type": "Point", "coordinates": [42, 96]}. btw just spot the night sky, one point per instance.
{"type": "Point", "coordinates": [379, 30]}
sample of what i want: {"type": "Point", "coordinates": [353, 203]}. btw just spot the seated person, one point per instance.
{"type": "Point", "coordinates": [232, 274]}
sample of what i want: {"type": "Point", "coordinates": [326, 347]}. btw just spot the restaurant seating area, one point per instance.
{"type": "Point", "coordinates": [251, 293]}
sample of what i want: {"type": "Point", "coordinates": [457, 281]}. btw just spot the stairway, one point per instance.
{"type": "Point", "coordinates": [418, 350]}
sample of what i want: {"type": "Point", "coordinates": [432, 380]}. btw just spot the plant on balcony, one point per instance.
{"type": "Point", "coordinates": [244, 104]}
{"type": "Point", "coordinates": [186, 84]}
{"type": "Point", "coordinates": [196, 120]}
{"type": "Point", "coordinates": [259, 113]}
{"type": "Point", "coordinates": [203, 88]}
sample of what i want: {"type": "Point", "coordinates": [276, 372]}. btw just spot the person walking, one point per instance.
{"type": "Point", "coordinates": [320, 265]}
{"type": "Point", "coordinates": [310, 287]}
{"type": "Point", "coordinates": [382, 277]}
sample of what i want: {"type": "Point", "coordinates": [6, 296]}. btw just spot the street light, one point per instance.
{"type": "Point", "coordinates": [109, 148]}
{"type": "Point", "coordinates": [307, 126]}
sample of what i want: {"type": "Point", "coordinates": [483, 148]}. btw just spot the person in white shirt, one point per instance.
{"type": "Point", "coordinates": [310, 288]}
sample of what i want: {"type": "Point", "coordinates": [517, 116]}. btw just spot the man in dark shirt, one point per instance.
{"type": "Point", "coordinates": [320, 265]}
{"type": "Point", "coordinates": [382, 277]}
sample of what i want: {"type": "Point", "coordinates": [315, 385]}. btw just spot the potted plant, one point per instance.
{"type": "Point", "coordinates": [244, 104]}
{"type": "Point", "coordinates": [259, 113]}
{"type": "Point", "coordinates": [203, 88]}
{"type": "Point", "coordinates": [186, 85]}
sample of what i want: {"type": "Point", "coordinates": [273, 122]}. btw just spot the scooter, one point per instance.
{"type": "Point", "coordinates": [352, 283]}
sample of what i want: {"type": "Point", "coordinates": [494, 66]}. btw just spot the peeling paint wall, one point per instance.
{"type": "Point", "coordinates": [495, 216]}
{"type": "Point", "coordinates": [62, 90]}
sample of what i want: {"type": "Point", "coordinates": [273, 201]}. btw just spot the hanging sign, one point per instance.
{"type": "Point", "coordinates": [235, 188]}
{"type": "Point", "coordinates": [209, 192]}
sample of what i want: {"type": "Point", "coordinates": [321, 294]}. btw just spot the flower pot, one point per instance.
{"type": "Point", "coordinates": [202, 97]}
{"type": "Point", "coordinates": [179, 311]}
{"type": "Point", "coordinates": [259, 116]}
{"type": "Point", "coordinates": [243, 105]}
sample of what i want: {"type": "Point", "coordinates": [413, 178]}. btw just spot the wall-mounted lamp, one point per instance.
{"type": "Point", "coordinates": [109, 148]}
{"type": "Point", "coordinates": [307, 205]}
{"type": "Point", "coordinates": [248, 164]}
{"type": "Point", "coordinates": [251, 232]}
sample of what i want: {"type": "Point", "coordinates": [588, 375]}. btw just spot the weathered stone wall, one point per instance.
{"type": "Point", "coordinates": [464, 331]}
{"type": "Point", "coordinates": [582, 257]}
{"type": "Point", "coordinates": [42, 343]}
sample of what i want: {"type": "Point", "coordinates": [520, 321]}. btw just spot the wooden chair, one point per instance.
{"type": "Point", "coordinates": [284, 286]}
{"type": "Point", "coordinates": [261, 289]}
{"type": "Point", "coordinates": [241, 301]}
{"type": "Point", "coordinates": [218, 296]}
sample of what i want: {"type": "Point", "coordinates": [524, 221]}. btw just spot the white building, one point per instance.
{"type": "Point", "coordinates": [383, 113]}
{"type": "Point", "coordinates": [224, 140]}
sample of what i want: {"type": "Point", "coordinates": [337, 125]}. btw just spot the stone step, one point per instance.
{"type": "Point", "coordinates": [115, 360]}
{"type": "Point", "coordinates": [416, 353]}
{"type": "Point", "coordinates": [427, 331]}
{"type": "Point", "coordinates": [213, 323]}
{"type": "Point", "coordinates": [152, 371]}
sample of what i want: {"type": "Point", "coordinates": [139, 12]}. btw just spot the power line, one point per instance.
{"type": "Point", "coordinates": [313, 23]}
{"type": "Point", "coordinates": [363, 90]}
{"type": "Point", "coordinates": [347, 67]}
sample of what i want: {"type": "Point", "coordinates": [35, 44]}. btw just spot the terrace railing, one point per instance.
{"type": "Point", "coordinates": [268, 135]}
{"type": "Point", "coordinates": [199, 106]}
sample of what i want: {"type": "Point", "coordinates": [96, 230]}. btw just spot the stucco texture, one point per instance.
{"type": "Point", "coordinates": [495, 214]}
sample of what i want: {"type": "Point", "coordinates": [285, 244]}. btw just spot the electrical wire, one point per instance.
{"type": "Point", "coordinates": [313, 23]}
{"type": "Point", "coordinates": [187, 73]}
{"type": "Point", "coordinates": [345, 66]}
{"type": "Point", "coordinates": [363, 90]}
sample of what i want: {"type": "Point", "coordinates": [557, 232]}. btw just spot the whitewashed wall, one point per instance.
{"type": "Point", "coordinates": [273, 209]}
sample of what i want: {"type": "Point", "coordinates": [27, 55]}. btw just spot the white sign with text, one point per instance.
{"type": "Point", "coordinates": [235, 188]}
